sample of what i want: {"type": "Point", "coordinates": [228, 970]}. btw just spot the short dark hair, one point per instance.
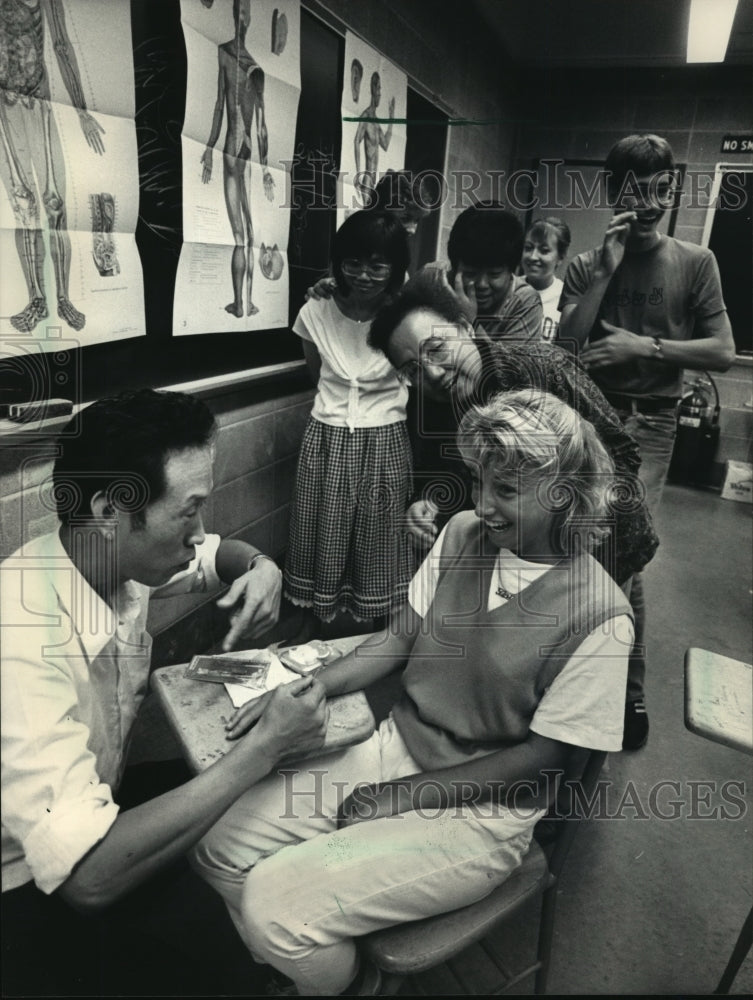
{"type": "Point", "coordinates": [641, 155]}
{"type": "Point", "coordinates": [485, 235]}
{"type": "Point", "coordinates": [540, 227]}
{"type": "Point", "coordinates": [426, 290]}
{"type": "Point", "coordinates": [121, 446]}
{"type": "Point", "coordinates": [370, 232]}
{"type": "Point", "coordinates": [398, 191]}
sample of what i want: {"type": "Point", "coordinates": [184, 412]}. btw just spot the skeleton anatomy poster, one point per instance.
{"type": "Point", "coordinates": [238, 137]}
{"type": "Point", "coordinates": [373, 90]}
{"type": "Point", "coordinates": [71, 274]}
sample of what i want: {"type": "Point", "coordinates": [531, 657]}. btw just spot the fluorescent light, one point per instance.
{"type": "Point", "coordinates": [709, 29]}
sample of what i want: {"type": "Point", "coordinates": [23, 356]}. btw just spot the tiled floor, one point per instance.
{"type": "Point", "coordinates": [646, 905]}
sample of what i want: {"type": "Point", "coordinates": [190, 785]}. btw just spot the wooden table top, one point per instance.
{"type": "Point", "coordinates": [198, 711]}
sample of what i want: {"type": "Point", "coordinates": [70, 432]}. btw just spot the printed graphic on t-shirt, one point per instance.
{"type": "Point", "coordinates": [625, 297]}
{"type": "Point", "coordinates": [549, 329]}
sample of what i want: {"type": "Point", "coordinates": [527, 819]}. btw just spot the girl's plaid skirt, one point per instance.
{"type": "Point", "coordinates": [348, 550]}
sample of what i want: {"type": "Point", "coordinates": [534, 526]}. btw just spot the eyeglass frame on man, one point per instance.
{"type": "Point", "coordinates": [660, 191]}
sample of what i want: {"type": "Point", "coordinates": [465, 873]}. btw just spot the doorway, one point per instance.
{"type": "Point", "coordinates": [729, 234]}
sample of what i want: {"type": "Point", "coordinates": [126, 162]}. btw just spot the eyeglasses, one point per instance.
{"type": "Point", "coordinates": [433, 352]}
{"type": "Point", "coordinates": [661, 194]}
{"type": "Point", "coordinates": [354, 266]}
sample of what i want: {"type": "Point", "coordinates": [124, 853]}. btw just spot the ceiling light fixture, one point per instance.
{"type": "Point", "coordinates": [709, 29]}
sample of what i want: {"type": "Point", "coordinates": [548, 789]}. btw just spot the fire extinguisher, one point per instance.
{"type": "Point", "coordinates": [697, 437]}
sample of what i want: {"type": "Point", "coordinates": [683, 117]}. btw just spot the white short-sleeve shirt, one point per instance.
{"type": "Point", "coordinates": [358, 387]}
{"type": "Point", "coordinates": [74, 673]}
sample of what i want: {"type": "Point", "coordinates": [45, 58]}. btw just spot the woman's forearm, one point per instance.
{"type": "Point", "coordinates": [518, 775]}
{"type": "Point", "coordinates": [374, 658]}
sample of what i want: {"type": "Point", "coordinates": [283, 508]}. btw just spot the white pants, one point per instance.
{"type": "Point", "coordinates": [299, 889]}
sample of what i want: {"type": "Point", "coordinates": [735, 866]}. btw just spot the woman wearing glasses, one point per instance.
{"type": "Point", "coordinates": [347, 553]}
{"type": "Point", "coordinates": [425, 334]}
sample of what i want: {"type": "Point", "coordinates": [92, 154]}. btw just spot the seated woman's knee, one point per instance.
{"type": "Point", "coordinates": [266, 913]}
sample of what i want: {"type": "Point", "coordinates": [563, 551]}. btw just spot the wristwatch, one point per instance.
{"type": "Point", "coordinates": [658, 349]}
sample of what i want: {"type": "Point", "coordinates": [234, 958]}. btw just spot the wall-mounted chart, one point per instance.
{"type": "Point", "coordinates": [238, 136]}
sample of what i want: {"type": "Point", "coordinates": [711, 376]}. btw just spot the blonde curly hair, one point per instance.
{"type": "Point", "coordinates": [531, 437]}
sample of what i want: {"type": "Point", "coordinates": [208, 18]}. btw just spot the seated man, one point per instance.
{"type": "Point", "coordinates": [130, 484]}
{"type": "Point", "coordinates": [426, 335]}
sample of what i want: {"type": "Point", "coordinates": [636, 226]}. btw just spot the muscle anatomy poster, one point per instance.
{"type": "Point", "coordinates": [71, 274]}
{"type": "Point", "coordinates": [374, 93]}
{"type": "Point", "coordinates": [238, 137]}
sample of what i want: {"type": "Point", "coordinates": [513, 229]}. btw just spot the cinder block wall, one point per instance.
{"type": "Point", "coordinates": [693, 108]}
{"type": "Point", "coordinates": [260, 429]}
{"type": "Point", "coordinates": [736, 421]}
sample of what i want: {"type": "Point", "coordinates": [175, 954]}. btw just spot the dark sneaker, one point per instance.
{"type": "Point", "coordinates": [635, 733]}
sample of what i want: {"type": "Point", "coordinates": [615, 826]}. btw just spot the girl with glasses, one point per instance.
{"type": "Point", "coordinates": [347, 554]}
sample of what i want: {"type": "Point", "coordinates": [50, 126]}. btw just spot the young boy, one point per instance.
{"type": "Point", "coordinates": [642, 307]}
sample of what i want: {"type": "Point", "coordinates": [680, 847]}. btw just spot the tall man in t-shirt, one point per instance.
{"type": "Point", "coordinates": [642, 307]}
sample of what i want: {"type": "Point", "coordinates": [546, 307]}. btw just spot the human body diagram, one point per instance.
{"type": "Point", "coordinates": [32, 164]}
{"type": "Point", "coordinates": [240, 95]}
{"type": "Point", "coordinates": [372, 135]}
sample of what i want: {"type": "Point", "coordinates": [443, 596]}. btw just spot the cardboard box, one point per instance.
{"type": "Point", "coordinates": [738, 482]}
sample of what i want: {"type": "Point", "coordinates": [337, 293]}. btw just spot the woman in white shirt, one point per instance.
{"type": "Point", "coordinates": [514, 644]}
{"type": "Point", "coordinates": [545, 247]}
{"type": "Point", "coordinates": [347, 551]}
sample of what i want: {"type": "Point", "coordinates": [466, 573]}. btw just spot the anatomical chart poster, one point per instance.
{"type": "Point", "coordinates": [238, 137]}
{"type": "Point", "coordinates": [71, 274]}
{"type": "Point", "coordinates": [374, 91]}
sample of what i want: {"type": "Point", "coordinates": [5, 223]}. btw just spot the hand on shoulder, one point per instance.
{"type": "Point", "coordinates": [324, 288]}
